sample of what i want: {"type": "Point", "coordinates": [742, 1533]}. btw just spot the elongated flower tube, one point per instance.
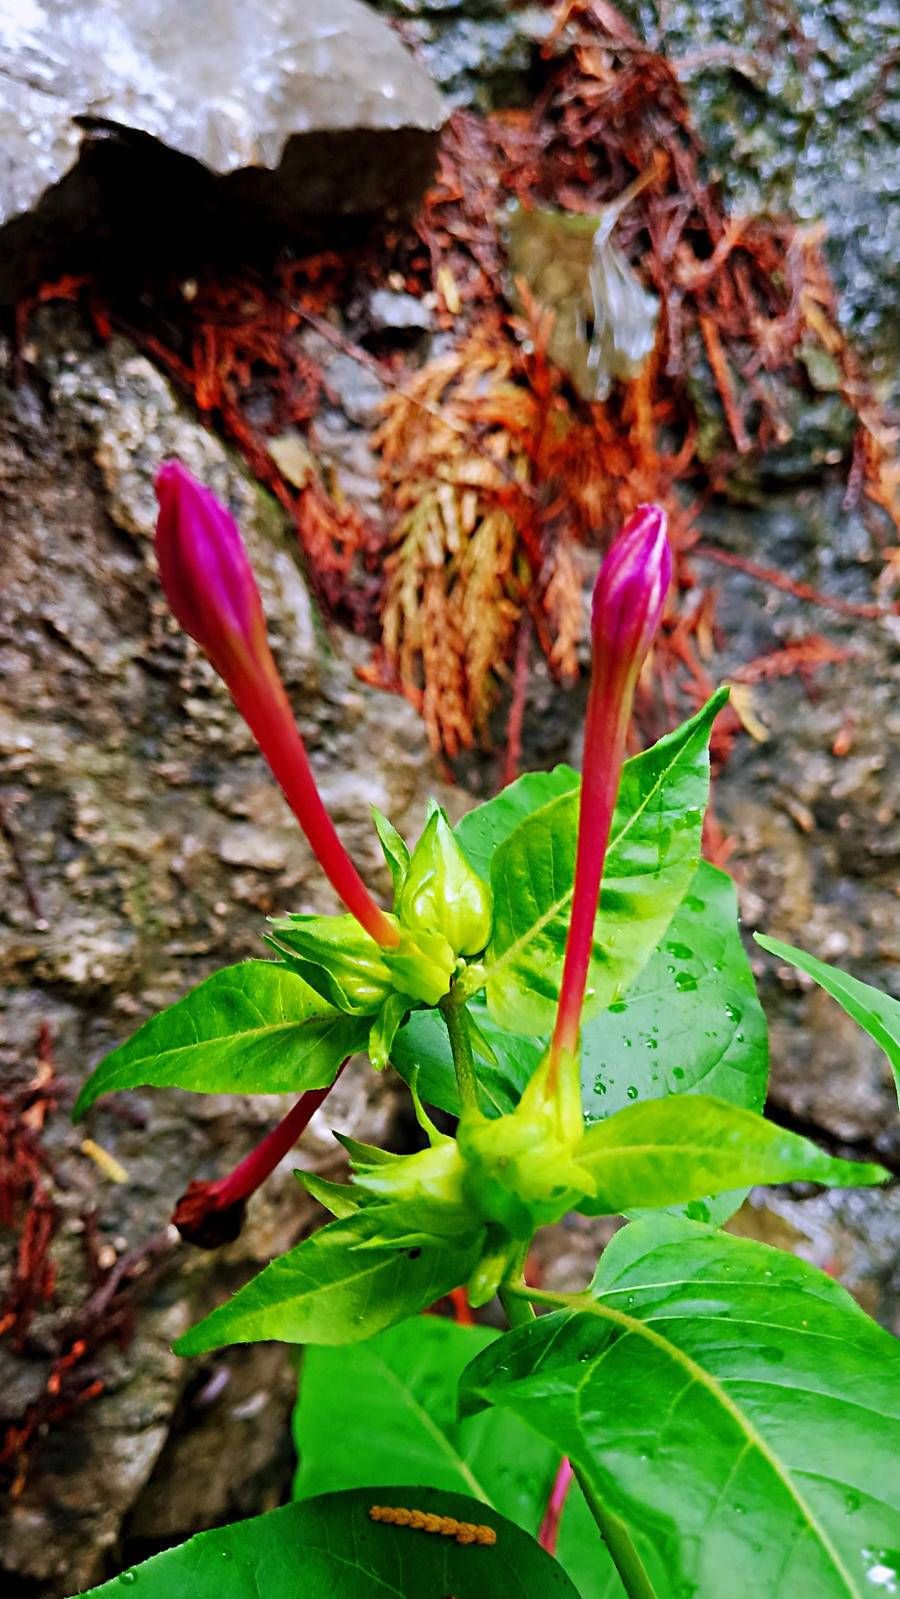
{"type": "Point", "coordinates": [629, 598]}
{"type": "Point", "coordinates": [211, 589]}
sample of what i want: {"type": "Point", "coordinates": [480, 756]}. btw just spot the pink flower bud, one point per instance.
{"type": "Point", "coordinates": [210, 586]}
{"type": "Point", "coordinates": [629, 599]}
{"type": "Point", "coordinates": [207, 577]}
{"type": "Point", "coordinates": [630, 592]}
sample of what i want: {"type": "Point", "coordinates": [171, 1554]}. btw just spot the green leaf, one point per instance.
{"type": "Point", "coordinates": [691, 1022]}
{"type": "Point", "coordinates": [329, 1548]}
{"type": "Point", "coordinates": [392, 1412]}
{"type": "Point", "coordinates": [336, 1287]}
{"type": "Point", "coordinates": [653, 853]}
{"type": "Point", "coordinates": [668, 1151]}
{"type": "Point", "coordinates": [876, 1013]}
{"type": "Point", "coordinates": [394, 847]}
{"type": "Point", "coordinates": [484, 828]}
{"type": "Point", "coordinates": [256, 1028]}
{"type": "Point", "coordinates": [735, 1417]}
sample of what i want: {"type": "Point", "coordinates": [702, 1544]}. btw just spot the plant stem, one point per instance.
{"type": "Point", "coordinates": [613, 1530]}
{"type": "Point", "coordinates": [512, 1293]}
{"type": "Point", "coordinates": [615, 1535]}
{"type": "Point", "coordinates": [453, 1008]}
{"type": "Point", "coordinates": [549, 1528]}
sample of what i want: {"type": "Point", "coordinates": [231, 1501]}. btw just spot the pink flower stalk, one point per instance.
{"type": "Point", "coordinates": [629, 598]}
{"type": "Point", "coordinates": [210, 1214]}
{"type": "Point", "coordinates": [549, 1529]}
{"type": "Point", "coordinates": [211, 589]}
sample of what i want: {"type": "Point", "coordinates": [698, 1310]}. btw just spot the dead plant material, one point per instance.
{"type": "Point", "coordinates": [28, 1208]}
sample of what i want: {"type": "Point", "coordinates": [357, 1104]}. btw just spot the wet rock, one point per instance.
{"type": "Point", "coordinates": [151, 841]}
{"type": "Point", "coordinates": [133, 128]}
{"type": "Point", "coordinates": [391, 312]}
{"type": "Point", "coordinates": [814, 810]}
{"type": "Point", "coordinates": [795, 108]}
{"type": "Point", "coordinates": [479, 51]}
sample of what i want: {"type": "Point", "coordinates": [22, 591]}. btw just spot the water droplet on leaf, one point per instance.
{"type": "Point", "coordinates": [631, 1091]}
{"type": "Point", "coordinates": [685, 982]}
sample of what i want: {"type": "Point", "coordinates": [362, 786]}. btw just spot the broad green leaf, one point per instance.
{"type": "Point", "coordinates": [391, 1411]}
{"type": "Point", "coordinates": [690, 1022]}
{"type": "Point", "coordinates": [336, 1287]}
{"type": "Point", "coordinates": [653, 853]}
{"type": "Point", "coordinates": [484, 828]}
{"type": "Point", "coordinates": [735, 1417]}
{"type": "Point", "coordinates": [669, 1151]}
{"type": "Point", "coordinates": [876, 1013]}
{"type": "Point", "coordinates": [330, 1548]}
{"type": "Point", "coordinates": [256, 1028]}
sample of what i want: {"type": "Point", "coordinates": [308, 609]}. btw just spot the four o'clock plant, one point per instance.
{"type": "Point", "coordinates": [563, 977]}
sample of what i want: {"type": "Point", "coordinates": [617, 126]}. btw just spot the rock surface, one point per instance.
{"type": "Point", "coordinates": [153, 845]}
{"type": "Point", "coordinates": [201, 120]}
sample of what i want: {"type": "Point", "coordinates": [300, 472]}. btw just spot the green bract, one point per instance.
{"type": "Point", "coordinates": [441, 892]}
{"type": "Point", "coordinates": [337, 957]}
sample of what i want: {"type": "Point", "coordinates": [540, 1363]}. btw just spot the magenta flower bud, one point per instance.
{"type": "Point", "coordinates": [630, 592]}
{"type": "Point", "coordinates": [629, 599]}
{"type": "Point", "coordinates": [210, 586]}
{"type": "Point", "coordinates": [207, 577]}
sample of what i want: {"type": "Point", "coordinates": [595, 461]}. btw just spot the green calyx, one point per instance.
{"type": "Point", "coordinates": [343, 963]}
{"type": "Point", "coordinates": [522, 1170]}
{"type": "Point", "coordinates": [440, 892]}
{"type": "Point", "coordinates": [337, 957]}
{"type": "Point", "coordinates": [421, 965]}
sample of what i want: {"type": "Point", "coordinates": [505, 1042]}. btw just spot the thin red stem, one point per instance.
{"type": "Point", "coordinates": [549, 1532]}
{"type": "Point", "coordinates": [266, 711]}
{"type": "Point", "coordinates": [253, 1170]}
{"type": "Point", "coordinates": [604, 751]}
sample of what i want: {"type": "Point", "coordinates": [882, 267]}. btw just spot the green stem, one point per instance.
{"type": "Point", "coordinates": [613, 1530]}
{"type": "Point", "coordinates": [453, 1008]}
{"type": "Point", "coordinates": [513, 1292]}
{"type": "Point", "coordinates": [615, 1535]}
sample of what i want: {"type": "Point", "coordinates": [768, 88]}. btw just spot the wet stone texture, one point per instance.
{"type": "Point", "coordinates": [153, 845]}
{"type": "Point", "coordinates": [228, 120]}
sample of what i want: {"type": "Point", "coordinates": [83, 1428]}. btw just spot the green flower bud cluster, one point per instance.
{"type": "Point", "coordinates": [442, 914]}
{"type": "Point", "coordinates": [498, 1181]}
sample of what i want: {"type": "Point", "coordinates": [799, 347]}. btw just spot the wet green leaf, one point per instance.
{"type": "Point", "coordinates": [256, 1028]}
{"type": "Point", "coordinates": [653, 854]}
{"type": "Point", "coordinates": [669, 1151]}
{"type": "Point", "coordinates": [486, 826]}
{"type": "Point", "coordinates": [344, 1283]}
{"type": "Point", "coordinates": [735, 1416]}
{"type": "Point", "coordinates": [393, 1413]}
{"type": "Point", "coordinates": [329, 1548]}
